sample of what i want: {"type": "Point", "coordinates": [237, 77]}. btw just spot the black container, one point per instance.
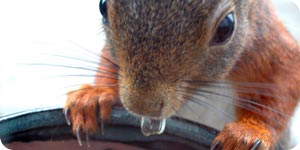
{"type": "Point", "coordinates": [47, 129]}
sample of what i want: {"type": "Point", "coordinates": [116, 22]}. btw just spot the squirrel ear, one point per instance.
{"type": "Point", "coordinates": [103, 9]}
{"type": "Point", "coordinates": [224, 30]}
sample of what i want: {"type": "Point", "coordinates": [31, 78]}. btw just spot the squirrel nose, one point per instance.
{"type": "Point", "coordinates": [146, 98]}
{"type": "Point", "coordinates": [146, 109]}
{"type": "Point", "coordinates": [144, 104]}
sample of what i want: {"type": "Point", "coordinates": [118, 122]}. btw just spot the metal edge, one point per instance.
{"type": "Point", "coordinates": [46, 117]}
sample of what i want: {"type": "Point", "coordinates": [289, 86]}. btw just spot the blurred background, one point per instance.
{"type": "Point", "coordinates": [31, 32]}
{"type": "Point", "coordinates": [41, 42]}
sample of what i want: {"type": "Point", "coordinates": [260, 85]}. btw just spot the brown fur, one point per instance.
{"type": "Point", "coordinates": [271, 56]}
{"type": "Point", "coordinates": [82, 103]}
{"type": "Point", "coordinates": [158, 44]}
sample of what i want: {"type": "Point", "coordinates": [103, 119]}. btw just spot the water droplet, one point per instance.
{"type": "Point", "coordinates": [152, 126]}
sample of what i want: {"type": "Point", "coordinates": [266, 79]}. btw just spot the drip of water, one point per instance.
{"type": "Point", "coordinates": [152, 126]}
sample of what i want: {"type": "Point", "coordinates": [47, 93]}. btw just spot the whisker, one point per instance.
{"type": "Point", "coordinates": [208, 106]}
{"type": "Point", "coordinates": [104, 86]}
{"type": "Point", "coordinates": [242, 84]}
{"type": "Point", "coordinates": [245, 103]}
{"type": "Point", "coordinates": [180, 77]}
{"type": "Point", "coordinates": [85, 49]}
{"type": "Point", "coordinates": [98, 85]}
{"type": "Point", "coordinates": [111, 62]}
{"type": "Point", "coordinates": [87, 68]}
{"type": "Point", "coordinates": [247, 90]}
{"type": "Point", "coordinates": [100, 63]}
{"type": "Point", "coordinates": [82, 75]}
{"type": "Point", "coordinates": [244, 106]}
{"type": "Point", "coordinates": [98, 56]}
{"type": "Point", "coordinates": [75, 58]}
{"type": "Point", "coordinates": [189, 108]}
{"type": "Point", "coordinates": [178, 113]}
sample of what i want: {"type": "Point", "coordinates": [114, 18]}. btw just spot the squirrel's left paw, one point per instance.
{"type": "Point", "coordinates": [243, 136]}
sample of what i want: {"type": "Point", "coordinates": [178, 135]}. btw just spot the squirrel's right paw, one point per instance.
{"type": "Point", "coordinates": [243, 136]}
{"type": "Point", "coordinates": [81, 106]}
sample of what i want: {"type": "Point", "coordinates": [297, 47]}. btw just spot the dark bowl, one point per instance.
{"type": "Point", "coordinates": [47, 129]}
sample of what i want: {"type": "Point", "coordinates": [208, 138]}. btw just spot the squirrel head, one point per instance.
{"type": "Point", "coordinates": [158, 44]}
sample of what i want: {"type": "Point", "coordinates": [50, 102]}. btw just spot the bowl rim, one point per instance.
{"type": "Point", "coordinates": [52, 117]}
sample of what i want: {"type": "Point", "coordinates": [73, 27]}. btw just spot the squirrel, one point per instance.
{"type": "Point", "coordinates": [158, 53]}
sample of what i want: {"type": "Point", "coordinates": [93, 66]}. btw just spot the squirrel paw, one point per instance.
{"type": "Point", "coordinates": [243, 136]}
{"type": "Point", "coordinates": [81, 106]}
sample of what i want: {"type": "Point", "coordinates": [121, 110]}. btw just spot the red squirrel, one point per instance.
{"type": "Point", "coordinates": [158, 53]}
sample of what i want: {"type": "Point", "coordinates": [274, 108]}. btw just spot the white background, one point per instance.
{"type": "Point", "coordinates": [30, 31]}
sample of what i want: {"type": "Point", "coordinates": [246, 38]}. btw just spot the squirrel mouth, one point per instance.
{"type": "Point", "coordinates": [150, 126]}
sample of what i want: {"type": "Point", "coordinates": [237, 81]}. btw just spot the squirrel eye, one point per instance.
{"type": "Point", "coordinates": [103, 9]}
{"type": "Point", "coordinates": [224, 30]}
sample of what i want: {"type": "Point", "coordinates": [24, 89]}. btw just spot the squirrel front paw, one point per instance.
{"type": "Point", "coordinates": [81, 106]}
{"type": "Point", "coordinates": [243, 136]}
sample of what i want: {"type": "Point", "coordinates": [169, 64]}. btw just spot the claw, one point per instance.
{"type": "Point", "coordinates": [256, 145]}
{"type": "Point", "coordinates": [102, 127]}
{"type": "Point", "coordinates": [216, 146]}
{"type": "Point", "coordinates": [67, 116]}
{"type": "Point", "coordinates": [78, 135]}
{"type": "Point", "coordinates": [87, 137]}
